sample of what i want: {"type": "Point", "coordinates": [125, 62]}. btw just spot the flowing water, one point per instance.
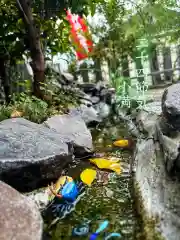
{"type": "Point", "coordinates": [109, 198]}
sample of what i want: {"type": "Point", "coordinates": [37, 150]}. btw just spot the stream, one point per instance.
{"type": "Point", "coordinates": [109, 198]}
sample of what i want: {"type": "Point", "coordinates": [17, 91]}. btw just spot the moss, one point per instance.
{"type": "Point", "coordinates": [148, 224]}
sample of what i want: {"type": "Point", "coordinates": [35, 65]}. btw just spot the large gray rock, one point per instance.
{"type": "Point", "coordinates": [85, 99]}
{"type": "Point", "coordinates": [146, 122]}
{"type": "Point", "coordinates": [152, 124]}
{"type": "Point", "coordinates": [155, 157]}
{"type": "Point", "coordinates": [103, 109]}
{"type": "Point", "coordinates": [147, 118]}
{"type": "Point", "coordinates": [40, 197]}
{"type": "Point", "coordinates": [171, 105]}
{"type": "Point", "coordinates": [20, 218]}
{"type": "Point", "coordinates": [31, 153]}
{"type": "Point", "coordinates": [88, 87]}
{"type": "Point", "coordinates": [160, 195]}
{"type": "Point", "coordinates": [107, 95]}
{"type": "Point", "coordinates": [88, 114]}
{"type": "Point", "coordinates": [153, 107]}
{"type": "Point", "coordinates": [131, 127]}
{"type": "Point", "coordinates": [95, 99]}
{"type": "Point", "coordinates": [170, 148]}
{"type": "Point", "coordinates": [72, 129]}
{"type": "Point", "coordinates": [68, 76]}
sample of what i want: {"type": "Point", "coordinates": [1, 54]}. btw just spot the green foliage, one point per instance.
{"type": "Point", "coordinates": [5, 112]}
{"type": "Point", "coordinates": [117, 39]}
{"type": "Point", "coordinates": [49, 16]}
{"type": "Point", "coordinates": [66, 98]}
{"type": "Point", "coordinates": [154, 21]}
{"type": "Point", "coordinates": [114, 43]}
{"type": "Point", "coordinates": [56, 8]}
{"type": "Point", "coordinates": [32, 108]}
{"type": "Point", "coordinates": [36, 110]}
{"type": "Point", "coordinates": [25, 84]}
{"type": "Point", "coordinates": [57, 35]}
{"type": "Point", "coordinates": [123, 25]}
{"type": "Point", "coordinates": [60, 96]}
{"type": "Point", "coordinates": [11, 31]}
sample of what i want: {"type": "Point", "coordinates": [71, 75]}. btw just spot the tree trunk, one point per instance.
{"type": "Point", "coordinates": [33, 31]}
{"type": "Point", "coordinates": [5, 80]}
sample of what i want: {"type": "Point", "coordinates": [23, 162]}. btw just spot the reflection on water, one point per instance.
{"type": "Point", "coordinates": [108, 198]}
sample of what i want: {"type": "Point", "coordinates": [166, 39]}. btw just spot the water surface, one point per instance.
{"type": "Point", "coordinates": [109, 198]}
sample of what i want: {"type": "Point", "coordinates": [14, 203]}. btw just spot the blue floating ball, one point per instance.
{"type": "Point", "coordinates": [70, 191]}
